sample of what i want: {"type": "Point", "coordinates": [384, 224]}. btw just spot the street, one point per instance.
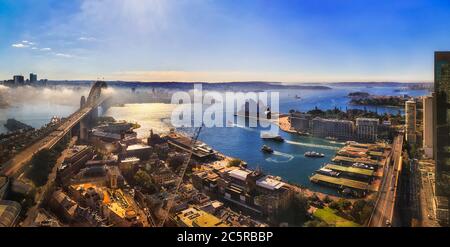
{"type": "Point", "coordinates": [384, 208]}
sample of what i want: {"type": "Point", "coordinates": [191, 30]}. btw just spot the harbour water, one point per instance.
{"type": "Point", "coordinates": [241, 142]}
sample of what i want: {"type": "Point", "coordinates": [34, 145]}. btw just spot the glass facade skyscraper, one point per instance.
{"type": "Point", "coordinates": [442, 119]}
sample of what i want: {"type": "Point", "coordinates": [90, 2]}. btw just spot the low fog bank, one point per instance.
{"type": "Point", "coordinates": [70, 95]}
{"type": "Point", "coordinates": [28, 95]}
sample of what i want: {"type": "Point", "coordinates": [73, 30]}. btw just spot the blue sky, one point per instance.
{"type": "Point", "coordinates": [223, 40]}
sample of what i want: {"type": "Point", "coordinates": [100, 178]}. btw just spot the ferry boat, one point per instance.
{"type": "Point", "coordinates": [331, 138]}
{"type": "Point", "coordinates": [328, 172]}
{"type": "Point", "coordinates": [314, 155]}
{"type": "Point", "coordinates": [267, 149]}
{"type": "Point", "coordinates": [267, 136]}
{"type": "Point", "coordinates": [302, 133]}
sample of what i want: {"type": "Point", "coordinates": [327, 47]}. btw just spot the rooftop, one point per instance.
{"type": "Point", "coordinates": [137, 147]}
{"type": "Point", "coordinates": [193, 217]}
{"type": "Point", "coordinates": [354, 170]}
{"type": "Point", "coordinates": [239, 174]}
{"type": "Point", "coordinates": [9, 211]}
{"type": "Point", "coordinates": [102, 134]}
{"type": "Point", "coordinates": [130, 160]}
{"type": "Point", "coordinates": [368, 119]}
{"type": "Point", "coordinates": [355, 160]}
{"type": "Point", "coordinates": [269, 183]}
{"type": "Point", "coordinates": [3, 181]}
{"type": "Point", "coordinates": [340, 182]}
{"type": "Point", "coordinates": [117, 202]}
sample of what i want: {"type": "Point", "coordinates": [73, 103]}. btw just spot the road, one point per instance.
{"type": "Point", "coordinates": [427, 207]}
{"type": "Point", "coordinates": [16, 164]}
{"type": "Point", "coordinates": [384, 207]}
{"type": "Point", "coordinates": [43, 190]}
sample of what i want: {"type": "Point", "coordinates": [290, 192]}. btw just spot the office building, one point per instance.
{"type": "Point", "coordinates": [441, 122]}
{"type": "Point", "coordinates": [428, 127]}
{"type": "Point", "coordinates": [4, 184]}
{"type": "Point", "coordinates": [367, 129]}
{"type": "Point", "coordinates": [300, 121]}
{"type": "Point", "coordinates": [441, 130]}
{"type": "Point", "coordinates": [442, 111]}
{"type": "Point", "coordinates": [339, 129]}
{"type": "Point", "coordinates": [194, 217]}
{"type": "Point", "coordinates": [19, 79]}
{"type": "Point", "coordinates": [33, 78]}
{"type": "Point", "coordinates": [410, 121]}
{"type": "Point", "coordinates": [140, 151]}
{"type": "Point", "coordinates": [9, 213]}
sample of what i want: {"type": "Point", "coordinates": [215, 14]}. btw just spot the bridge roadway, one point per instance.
{"type": "Point", "coordinates": [17, 164]}
{"type": "Point", "coordinates": [384, 208]}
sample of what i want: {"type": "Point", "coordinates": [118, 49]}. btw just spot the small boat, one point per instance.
{"type": "Point", "coordinates": [298, 97]}
{"type": "Point", "coordinates": [277, 138]}
{"type": "Point", "coordinates": [331, 138]}
{"type": "Point", "coordinates": [314, 155]}
{"type": "Point", "coordinates": [267, 149]}
{"type": "Point", "coordinates": [301, 133]}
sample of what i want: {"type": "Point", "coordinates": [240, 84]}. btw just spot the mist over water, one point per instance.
{"type": "Point", "coordinates": [35, 106]}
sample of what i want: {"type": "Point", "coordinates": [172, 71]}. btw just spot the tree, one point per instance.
{"type": "Point", "coordinates": [314, 198]}
{"type": "Point", "coordinates": [327, 199]}
{"type": "Point", "coordinates": [344, 204]}
{"type": "Point", "coordinates": [357, 209]}
{"type": "Point", "coordinates": [340, 205]}
{"type": "Point", "coordinates": [176, 161]}
{"type": "Point", "coordinates": [361, 211]}
{"type": "Point", "coordinates": [144, 180]}
{"type": "Point", "coordinates": [41, 165]}
{"type": "Point", "coordinates": [316, 223]}
{"type": "Point", "coordinates": [334, 205]}
{"type": "Point", "coordinates": [235, 162]}
{"type": "Point", "coordinates": [296, 211]}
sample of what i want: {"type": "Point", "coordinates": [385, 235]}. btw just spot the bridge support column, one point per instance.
{"type": "Point", "coordinates": [83, 130]}
{"type": "Point", "coordinates": [94, 115]}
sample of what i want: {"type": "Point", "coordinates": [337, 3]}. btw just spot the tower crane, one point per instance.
{"type": "Point", "coordinates": [184, 167]}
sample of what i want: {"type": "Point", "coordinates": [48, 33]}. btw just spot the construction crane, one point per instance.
{"type": "Point", "coordinates": [182, 173]}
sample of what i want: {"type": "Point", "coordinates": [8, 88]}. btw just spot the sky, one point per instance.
{"type": "Point", "coordinates": [291, 41]}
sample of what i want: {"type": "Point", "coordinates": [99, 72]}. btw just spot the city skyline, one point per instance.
{"type": "Point", "coordinates": [292, 41]}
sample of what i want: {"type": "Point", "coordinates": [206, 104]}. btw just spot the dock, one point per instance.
{"type": "Point", "coordinates": [350, 161]}
{"type": "Point", "coordinates": [340, 182]}
{"type": "Point", "coordinates": [351, 170]}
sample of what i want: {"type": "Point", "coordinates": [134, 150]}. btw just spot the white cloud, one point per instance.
{"type": "Point", "coordinates": [25, 41]}
{"type": "Point", "coordinates": [34, 48]}
{"type": "Point", "coordinates": [20, 45]}
{"type": "Point", "coordinates": [87, 39]}
{"type": "Point", "coordinates": [64, 55]}
{"type": "Point", "coordinates": [46, 49]}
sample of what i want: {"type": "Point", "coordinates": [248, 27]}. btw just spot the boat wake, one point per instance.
{"type": "Point", "coordinates": [312, 145]}
{"type": "Point", "coordinates": [280, 157]}
{"type": "Point", "coordinates": [335, 142]}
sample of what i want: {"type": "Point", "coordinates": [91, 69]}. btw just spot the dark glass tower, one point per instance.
{"type": "Point", "coordinates": [442, 118]}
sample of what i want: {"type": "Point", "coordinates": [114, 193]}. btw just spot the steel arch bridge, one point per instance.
{"type": "Point", "coordinates": [18, 163]}
{"type": "Point", "coordinates": [96, 92]}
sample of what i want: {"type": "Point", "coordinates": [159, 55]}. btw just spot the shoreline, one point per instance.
{"type": "Point", "coordinates": [305, 191]}
{"type": "Point", "coordinates": [285, 125]}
